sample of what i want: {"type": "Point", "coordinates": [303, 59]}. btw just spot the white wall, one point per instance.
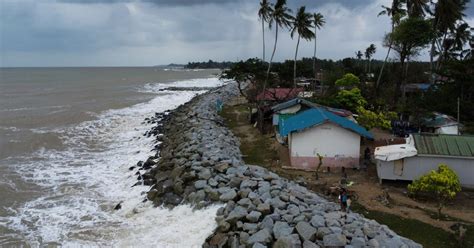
{"type": "Point", "coordinates": [414, 167]}
{"type": "Point", "coordinates": [329, 140]}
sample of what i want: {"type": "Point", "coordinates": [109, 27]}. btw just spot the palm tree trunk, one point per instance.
{"type": "Point", "coordinates": [263, 40]}
{"type": "Point", "coordinates": [294, 64]}
{"type": "Point", "coordinates": [386, 58]}
{"type": "Point", "coordinates": [370, 64]}
{"type": "Point", "coordinates": [314, 54]}
{"type": "Point", "coordinates": [432, 60]}
{"type": "Point", "coordinates": [271, 59]}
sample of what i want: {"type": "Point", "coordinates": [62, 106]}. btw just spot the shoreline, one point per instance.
{"type": "Point", "coordinates": [199, 162]}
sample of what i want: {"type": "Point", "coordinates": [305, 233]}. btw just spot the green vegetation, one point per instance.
{"type": "Point", "coordinates": [350, 99]}
{"type": "Point", "coordinates": [442, 185]}
{"type": "Point", "coordinates": [370, 119]}
{"type": "Point", "coordinates": [348, 79]}
{"type": "Point", "coordinates": [415, 25]}
{"type": "Point", "coordinates": [255, 148]}
{"type": "Point", "coordinates": [423, 233]}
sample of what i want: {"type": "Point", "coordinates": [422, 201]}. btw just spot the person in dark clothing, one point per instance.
{"type": "Point", "coordinates": [367, 154]}
{"type": "Point", "coordinates": [343, 199]}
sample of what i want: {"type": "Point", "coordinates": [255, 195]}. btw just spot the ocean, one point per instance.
{"type": "Point", "coordinates": [67, 139]}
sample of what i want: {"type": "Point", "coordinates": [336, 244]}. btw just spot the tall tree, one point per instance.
{"type": "Point", "coordinates": [264, 13]}
{"type": "Point", "coordinates": [302, 25]}
{"type": "Point", "coordinates": [281, 18]}
{"type": "Point", "coordinates": [318, 23]}
{"type": "Point", "coordinates": [417, 8]}
{"type": "Point", "coordinates": [407, 40]}
{"type": "Point", "coordinates": [369, 52]}
{"type": "Point", "coordinates": [395, 12]}
{"type": "Point", "coordinates": [359, 56]}
{"type": "Point", "coordinates": [446, 14]}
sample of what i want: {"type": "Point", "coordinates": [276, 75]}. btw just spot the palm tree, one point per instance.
{"type": "Point", "coordinates": [417, 8]}
{"type": "Point", "coordinates": [396, 12]}
{"type": "Point", "coordinates": [264, 13]}
{"type": "Point", "coordinates": [369, 52]}
{"type": "Point", "coordinates": [446, 14]}
{"type": "Point", "coordinates": [359, 56]}
{"type": "Point", "coordinates": [301, 25]}
{"type": "Point", "coordinates": [280, 17]}
{"type": "Point", "coordinates": [318, 23]}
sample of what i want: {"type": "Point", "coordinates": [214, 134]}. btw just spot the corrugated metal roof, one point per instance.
{"type": "Point", "coordinates": [297, 100]}
{"type": "Point", "coordinates": [445, 144]}
{"type": "Point", "coordinates": [318, 116]}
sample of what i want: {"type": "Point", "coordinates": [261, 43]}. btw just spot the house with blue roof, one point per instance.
{"type": "Point", "coordinates": [319, 131]}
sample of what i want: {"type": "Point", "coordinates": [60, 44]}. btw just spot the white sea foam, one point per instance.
{"type": "Point", "coordinates": [199, 82]}
{"type": "Point", "coordinates": [87, 179]}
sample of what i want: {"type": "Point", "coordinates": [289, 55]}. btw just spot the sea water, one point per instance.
{"type": "Point", "coordinates": [67, 139]}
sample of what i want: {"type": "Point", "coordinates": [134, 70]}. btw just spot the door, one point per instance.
{"type": "Point", "coordinates": [398, 167]}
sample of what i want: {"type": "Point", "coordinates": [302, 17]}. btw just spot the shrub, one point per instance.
{"type": "Point", "coordinates": [442, 184]}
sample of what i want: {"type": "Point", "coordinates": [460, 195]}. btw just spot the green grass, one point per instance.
{"type": "Point", "coordinates": [425, 234]}
{"type": "Point", "coordinates": [258, 151]}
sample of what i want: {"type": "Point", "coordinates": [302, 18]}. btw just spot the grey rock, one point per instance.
{"type": "Point", "coordinates": [253, 216]}
{"type": "Point", "coordinates": [373, 243]}
{"type": "Point", "coordinates": [336, 240]}
{"type": "Point", "coordinates": [262, 236]}
{"type": "Point", "coordinates": [267, 223]}
{"type": "Point", "coordinates": [309, 244]}
{"type": "Point", "coordinates": [358, 242]}
{"type": "Point", "coordinates": [204, 174]}
{"type": "Point", "coordinates": [289, 241]}
{"type": "Point", "coordinates": [264, 208]}
{"type": "Point", "coordinates": [200, 184]}
{"type": "Point", "coordinates": [281, 229]}
{"type": "Point", "coordinates": [258, 245]}
{"type": "Point", "coordinates": [248, 183]}
{"type": "Point", "coordinates": [250, 227]}
{"type": "Point", "coordinates": [236, 214]}
{"type": "Point", "coordinates": [306, 231]}
{"type": "Point", "coordinates": [318, 221]}
{"type": "Point", "coordinates": [277, 203]}
{"type": "Point", "coordinates": [227, 196]}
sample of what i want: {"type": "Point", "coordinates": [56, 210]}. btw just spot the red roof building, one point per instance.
{"type": "Point", "coordinates": [279, 94]}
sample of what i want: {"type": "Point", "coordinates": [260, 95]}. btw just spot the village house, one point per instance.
{"type": "Point", "coordinates": [441, 124]}
{"type": "Point", "coordinates": [423, 153]}
{"type": "Point", "coordinates": [318, 131]}
{"type": "Point", "coordinates": [297, 105]}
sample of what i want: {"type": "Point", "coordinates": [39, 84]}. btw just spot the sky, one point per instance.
{"type": "Point", "coordinates": [158, 32]}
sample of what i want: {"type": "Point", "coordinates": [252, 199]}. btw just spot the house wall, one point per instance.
{"type": "Point", "coordinates": [338, 146]}
{"type": "Point", "coordinates": [415, 167]}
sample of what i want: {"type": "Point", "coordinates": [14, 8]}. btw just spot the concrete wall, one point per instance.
{"type": "Point", "coordinates": [339, 147]}
{"type": "Point", "coordinates": [414, 167]}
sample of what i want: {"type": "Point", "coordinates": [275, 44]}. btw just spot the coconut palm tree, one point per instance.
{"type": "Point", "coordinates": [369, 52]}
{"type": "Point", "coordinates": [264, 13]}
{"type": "Point", "coordinates": [301, 25]}
{"type": "Point", "coordinates": [417, 8]}
{"type": "Point", "coordinates": [395, 12]}
{"type": "Point", "coordinates": [318, 23]}
{"type": "Point", "coordinates": [281, 18]}
{"type": "Point", "coordinates": [446, 14]}
{"type": "Point", "coordinates": [359, 56]}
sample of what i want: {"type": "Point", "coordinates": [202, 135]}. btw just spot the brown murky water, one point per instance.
{"type": "Point", "coordinates": [66, 135]}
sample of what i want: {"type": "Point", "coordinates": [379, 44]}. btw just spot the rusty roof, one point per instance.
{"type": "Point", "coordinates": [445, 144]}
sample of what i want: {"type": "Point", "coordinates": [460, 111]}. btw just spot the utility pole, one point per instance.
{"type": "Point", "coordinates": [459, 122]}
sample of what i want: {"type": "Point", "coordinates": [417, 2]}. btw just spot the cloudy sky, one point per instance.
{"type": "Point", "coordinates": [153, 32]}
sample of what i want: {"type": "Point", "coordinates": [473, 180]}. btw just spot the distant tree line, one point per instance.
{"type": "Point", "coordinates": [209, 65]}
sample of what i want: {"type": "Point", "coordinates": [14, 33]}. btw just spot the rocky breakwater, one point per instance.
{"type": "Point", "coordinates": [200, 163]}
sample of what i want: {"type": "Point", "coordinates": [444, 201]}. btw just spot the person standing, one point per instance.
{"type": "Point", "coordinates": [343, 199]}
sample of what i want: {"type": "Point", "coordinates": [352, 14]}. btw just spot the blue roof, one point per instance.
{"type": "Point", "coordinates": [317, 116]}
